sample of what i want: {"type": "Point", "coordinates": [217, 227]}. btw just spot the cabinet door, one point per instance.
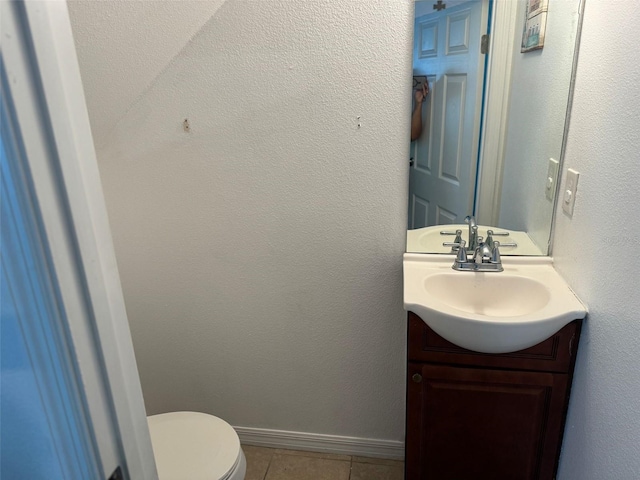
{"type": "Point", "coordinates": [474, 424]}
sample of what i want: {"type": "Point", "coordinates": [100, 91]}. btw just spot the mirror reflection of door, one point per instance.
{"type": "Point", "coordinates": [445, 156]}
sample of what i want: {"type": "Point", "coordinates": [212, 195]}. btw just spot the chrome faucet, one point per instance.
{"type": "Point", "coordinates": [482, 253]}
{"type": "Point", "coordinates": [473, 236]}
{"type": "Point", "coordinates": [473, 232]}
{"type": "Point", "coordinates": [485, 258]}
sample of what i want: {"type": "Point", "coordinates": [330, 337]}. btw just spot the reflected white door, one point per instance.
{"type": "Point", "coordinates": [444, 158]}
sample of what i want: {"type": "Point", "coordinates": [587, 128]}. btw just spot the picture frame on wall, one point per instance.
{"type": "Point", "coordinates": [535, 23]}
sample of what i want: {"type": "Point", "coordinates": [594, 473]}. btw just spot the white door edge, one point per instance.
{"type": "Point", "coordinates": [39, 54]}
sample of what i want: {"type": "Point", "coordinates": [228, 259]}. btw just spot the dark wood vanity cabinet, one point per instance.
{"type": "Point", "coordinates": [475, 416]}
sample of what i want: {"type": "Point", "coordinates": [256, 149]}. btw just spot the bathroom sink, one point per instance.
{"type": "Point", "coordinates": [490, 312]}
{"type": "Point", "coordinates": [492, 296]}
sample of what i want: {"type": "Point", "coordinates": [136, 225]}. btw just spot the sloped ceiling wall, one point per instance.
{"type": "Point", "coordinates": [120, 58]}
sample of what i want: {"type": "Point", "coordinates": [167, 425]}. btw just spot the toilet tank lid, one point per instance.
{"type": "Point", "coordinates": [193, 445]}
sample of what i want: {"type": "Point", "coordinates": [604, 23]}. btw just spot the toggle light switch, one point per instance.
{"type": "Point", "coordinates": [569, 191]}
{"type": "Point", "coordinates": [552, 178]}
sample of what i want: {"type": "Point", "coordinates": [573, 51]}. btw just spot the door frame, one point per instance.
{"type": "Point", "coordinates": [495, 115]}
{"type": "Point", "coordinates": [45, 88]}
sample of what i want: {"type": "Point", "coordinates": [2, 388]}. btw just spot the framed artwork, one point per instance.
{"type": "Point", "coordinates": [535, 23]}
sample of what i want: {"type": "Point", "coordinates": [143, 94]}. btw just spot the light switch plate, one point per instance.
{"type": "Point", "coordinates": [552, 178]}
{"type": "Point", "coordinates": [569, 191]}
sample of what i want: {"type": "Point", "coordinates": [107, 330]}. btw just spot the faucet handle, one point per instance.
{"type": "Point", "coordinates": [495, 253]}
{"type": "Point", "coordinates": [455, 245]}
{"type": "Point", "coordinates": [489, 239]}
{"type": "Point", "coordinates": [459, 240]}
{"type": "Point", "coordinates": [461, 257]}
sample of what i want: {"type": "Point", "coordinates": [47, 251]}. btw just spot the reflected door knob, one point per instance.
{"type": "Point", "coordinates": [411, 162]}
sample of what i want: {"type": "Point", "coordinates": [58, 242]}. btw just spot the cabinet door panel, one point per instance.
{"type": "Point", "coordinates": [465, 424]}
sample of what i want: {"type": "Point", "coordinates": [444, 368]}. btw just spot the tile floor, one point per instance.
{"type": "Point", "coordinates": [280, 464]}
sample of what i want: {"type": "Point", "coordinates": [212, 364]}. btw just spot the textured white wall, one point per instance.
{"type": "Point", "coordinates": [539, 91]}
{"type": "Point", "coordinates": [597, 249]}
{"type": "Point", "coordinates": [125, 45]}
{"type": "Point", "coordinates": [261, 253]}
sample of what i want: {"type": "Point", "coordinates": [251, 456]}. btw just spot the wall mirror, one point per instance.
{"type": "Point", "coordinates": [491, 128]}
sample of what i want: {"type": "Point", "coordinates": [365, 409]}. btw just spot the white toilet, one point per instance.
{"type": "Point", "coordinates": [195, 446]}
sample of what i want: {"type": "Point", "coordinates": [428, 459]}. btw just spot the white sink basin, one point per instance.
{"type": "Point", "coordinates": [488, 311]}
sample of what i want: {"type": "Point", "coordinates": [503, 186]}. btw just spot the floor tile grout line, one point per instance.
{"type": "Point", "coordinates": [352, 459]}
{"type": "Point", "coordinates": [351, 467]}
{"type": "Point", "coordinates": [266, 472]}
{"type": "Point", "coordinates": [301, 453]}
{"type": "Point", "coordinates": [273, 454]}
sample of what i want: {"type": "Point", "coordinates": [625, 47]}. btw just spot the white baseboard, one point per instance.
{"type": "Point", "coordinates": [315, 442]}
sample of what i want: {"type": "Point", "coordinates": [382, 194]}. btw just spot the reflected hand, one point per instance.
{"type": "Point", "coordinates": [422, 93]}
